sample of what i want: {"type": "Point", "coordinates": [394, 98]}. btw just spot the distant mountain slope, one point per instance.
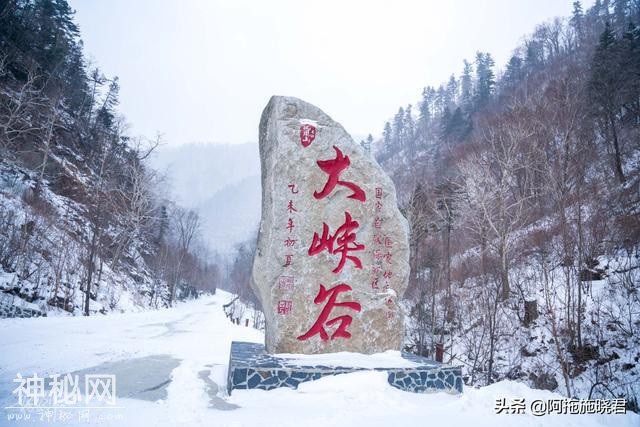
{"type": "Point", "coordinates": [232, 214]}
{"type": "Point", "coordinates": [222, 183]}
{"type": "Point", "coordinates": [199, 170]}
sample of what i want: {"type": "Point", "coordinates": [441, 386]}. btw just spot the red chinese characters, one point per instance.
{"type": "Point", "coordinates": [286, 283]}
{"type": "Point", "coordinates": [334, 168]}
{"type": "Point", "coordinates": [342, 242]}
{"type": "Point", "coordinates": [307, 134]}
{"type": "Point", "coordinates": [380, 242]}
{"type": "Point", "coordinates": [288, 260]}
{"type": "Point", "coordinates": [377, 223]}
{"type": "Point", "coordinates": [284, 307]}
{"type": "Point", "coordinates": [291, 240]}
{"type": "Point", "coordinates": [331, 295]}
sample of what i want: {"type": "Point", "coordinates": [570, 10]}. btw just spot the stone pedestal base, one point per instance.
{"type": "Point", "coordinates": [250, 367]}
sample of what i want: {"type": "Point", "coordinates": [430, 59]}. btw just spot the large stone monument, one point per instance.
{"type": "Point", "coordinates": [331, 261]}
{"type": "Point", "coordinates": [332, 254]}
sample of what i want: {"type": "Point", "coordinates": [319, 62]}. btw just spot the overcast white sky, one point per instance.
{"type": "Point", "coordinates": [202, 71]}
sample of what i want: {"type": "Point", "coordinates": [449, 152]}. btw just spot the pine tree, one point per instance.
{"type": "Point", "coordinates": [595, 12]}
{"type": "Point", "coordinates": [534, 58]}
{"type": "Point", "coordinates": [445, 121]}
{"type": "Point", "coordinates": [604, 90]}
{"type": "Point", "coordinates": [106, 113]}
{"type": "Point", "coordinates": [398, 128]}
{"type": "Point", "coordinates": [39, 36]}
{"type": "Point", "coordinates": [163, 225]}
{"type": "Point", "coordinates": [440, 98]}
{"type": "Point", "coordinates": [458, 126]}
{"type": "Point", "coordinates": [485, 78]}
{"type": "Point", "coordinates": [409, 125]}
{"type": "Point", "coordinates": [367, 143]}
{"type": "Point", "coordinates": [513, 74]}
{"type": "Point", "coordinates": [466, 85]}
{"type": "Point", "coordinates": [425, 108]}
{"type": "Point", "coordinates": [620, 13]}
{"type": "Point", "coordinates": [606, 6]}
{"type": "Point", "coordinates": [607, 39]}
{"type": "Point", "coordinates": [577, 23]}
{"type": "Point", "coordinates": [628, 54]}
{"type": "Point", "coordinates": [453, 126]}
{"type": "Point", "coordinates": [451, 92]}
{"type": "Point", "coordinates": [387, 134]}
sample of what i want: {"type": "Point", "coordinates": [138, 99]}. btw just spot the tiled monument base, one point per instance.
{"type": "Point", "coordinates": [250, 367]}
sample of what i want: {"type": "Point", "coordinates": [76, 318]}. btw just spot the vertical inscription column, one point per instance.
{"type": "Point", "coordinates": [286, 282]}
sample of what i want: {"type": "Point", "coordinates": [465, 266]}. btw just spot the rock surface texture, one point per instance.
{"type": "Point", "coordinates": [332, 254]}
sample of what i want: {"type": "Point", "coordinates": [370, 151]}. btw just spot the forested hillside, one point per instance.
{"type": "Point", "coordinates": [522, 189]}
{"type": "Point", "coordinates": [85, 225]}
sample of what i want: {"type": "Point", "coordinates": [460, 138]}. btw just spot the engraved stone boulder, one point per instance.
{"type": "Point", "coordinates": [332, 254]}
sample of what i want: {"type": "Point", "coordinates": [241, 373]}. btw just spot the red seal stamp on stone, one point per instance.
{"type": "Point", "coordinates": [307, 134]}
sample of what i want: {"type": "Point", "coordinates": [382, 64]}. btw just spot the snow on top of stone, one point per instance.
{"type": "Point", "coordinates": [387, 359]}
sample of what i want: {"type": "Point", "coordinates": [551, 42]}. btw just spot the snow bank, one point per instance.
{"type": "Point", "coordinates": [199, 336]}
{"type": "Point", "coordinates": [388, 359]}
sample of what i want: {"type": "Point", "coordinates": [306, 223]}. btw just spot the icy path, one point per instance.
{"type": "Point", "coordinates": [172, 366]}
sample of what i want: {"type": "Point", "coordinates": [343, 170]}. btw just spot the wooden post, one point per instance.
{"type": "Point", "coordinates": [530, 312]}
{"type": "Point", "coordinates": [439, 352]}
{"type": "Point", "coordinates": [246, 322]}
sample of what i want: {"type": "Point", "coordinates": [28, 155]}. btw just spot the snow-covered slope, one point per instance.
{"type": "Point", "coordinates": [190, 345]}
{"type": "Point", "coordinates": [43, 269]}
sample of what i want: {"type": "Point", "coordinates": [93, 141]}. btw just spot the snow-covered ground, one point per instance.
{"type": "Point", "coordinates": [190, 345]}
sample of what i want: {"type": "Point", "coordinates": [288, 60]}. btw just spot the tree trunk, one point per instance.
{"type": "Point", "coordinates": [616, 150]}
{"type": "Point", "coordinates": [493, 311]}
{"type": "Point", "coordinates": [581, 265]}
{"type": "Point", "coordinates": [567, 263]}
{"type": "Point", "coordinates": [90, 269]}
{"type": "Point", "coordinates": [449, 312]}
{"type": "Point", "coordinates": [554, 326]}
{"type": "Point", "coordinates": [504, 272]}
